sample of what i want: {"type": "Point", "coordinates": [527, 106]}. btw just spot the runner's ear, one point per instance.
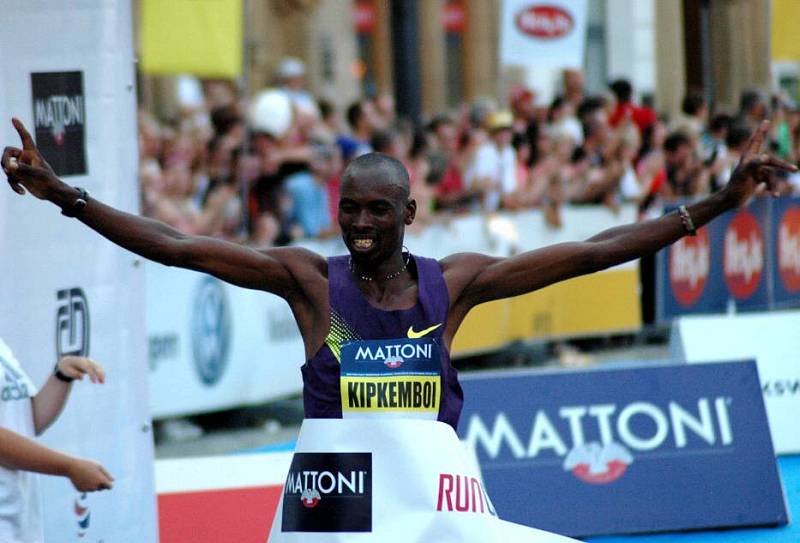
{"type": "Point", "coordinates": [410, 211]}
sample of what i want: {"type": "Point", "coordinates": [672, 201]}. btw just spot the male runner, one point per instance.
{"type": "Point", "coordinates": [379, 291]}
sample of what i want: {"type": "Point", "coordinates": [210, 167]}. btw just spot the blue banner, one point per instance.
{"type": "Point", "coordinates": [689, 276]}
{"type": "Point", "coordinates": [786, 252]}
{"type": "Point", "coordinates": [743, 251]}
{"type": "Point", "coordinates": [747, 259]}
{"type": "Point", "coordinates": [613, 451]}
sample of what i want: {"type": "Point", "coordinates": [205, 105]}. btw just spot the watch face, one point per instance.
{"type": "Point", "coordinates": [80, 202]}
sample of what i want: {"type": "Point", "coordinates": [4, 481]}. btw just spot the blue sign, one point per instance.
{"type": "Point", "coordinates": [747, 258]}
{"type": "Point", "coordinates": [786, 252]}
{"type": "Point", "coordinates": [614, 451]}
{"type": "Point", "coordinates": [689, 276]}
{"type": "Point", "coordinates": [742, 245]}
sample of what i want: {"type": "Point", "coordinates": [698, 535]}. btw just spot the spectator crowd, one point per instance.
{"type": "Point", "coordinates": [266, 172]}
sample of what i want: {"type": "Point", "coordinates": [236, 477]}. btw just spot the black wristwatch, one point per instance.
{"type": "Point", "coordinates": [62, 376]}
{"type": "Point", "coordinates": [76, 207]}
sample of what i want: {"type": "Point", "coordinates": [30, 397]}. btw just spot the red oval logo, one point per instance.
{"type": "Point", "coordinates": [743, 255]}
{"type": "Point", "coordinates": [689, 266]}
{"type": "Point", "coordinates": [364, 17]}
{"type": "Point", "coordinates": [545, 21]}
{"type": "Point", "coordinates": [454, 19]}
{"type": "Point", "coordinates": [598, 464]}
{"type": "Point", "coordinates": [789, 249]}
{"type": "Point", "coordinates": [614, 470]}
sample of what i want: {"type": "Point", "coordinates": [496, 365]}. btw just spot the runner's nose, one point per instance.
{"type": "Point", "coordinates": [362, 219]}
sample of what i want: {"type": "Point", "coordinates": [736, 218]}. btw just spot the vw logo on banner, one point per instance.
{"type": "Point", "coordinates": [211, 330]}
{"type": "Point", "coordinates": [72, 323]}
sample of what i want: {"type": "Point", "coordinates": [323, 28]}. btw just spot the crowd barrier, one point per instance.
{"type": "Point", "coordinates": [747, 259]}
{"type": "Point", "coordinates": [214, 346]}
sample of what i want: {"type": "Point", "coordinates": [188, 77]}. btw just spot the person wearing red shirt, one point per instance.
{"type": "Point", "coordinates": [641, 116]}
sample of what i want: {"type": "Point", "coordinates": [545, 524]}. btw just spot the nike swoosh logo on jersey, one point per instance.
{"type": "Point", "coordinates": [415, 335]}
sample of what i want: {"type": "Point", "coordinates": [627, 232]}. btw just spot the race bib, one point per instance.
{"type": "Point", "coordinates": [392, 378]}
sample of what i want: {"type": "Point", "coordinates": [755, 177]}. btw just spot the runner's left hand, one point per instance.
{"type": "Point", "coordinates": [756, 170]}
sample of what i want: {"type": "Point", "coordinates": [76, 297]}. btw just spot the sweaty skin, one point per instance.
{"type": "Point", "coordinates": [374, 209]}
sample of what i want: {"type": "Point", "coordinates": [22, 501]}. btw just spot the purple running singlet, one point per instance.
{"type": "Point", "coordinates": [377, 363]}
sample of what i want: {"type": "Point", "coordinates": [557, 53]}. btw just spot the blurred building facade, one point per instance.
{"type": "Point", "coordinates": [664, 47]}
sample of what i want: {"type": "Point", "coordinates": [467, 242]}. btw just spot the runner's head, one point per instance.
{"type": "Point", "coordinates": [374, 207]}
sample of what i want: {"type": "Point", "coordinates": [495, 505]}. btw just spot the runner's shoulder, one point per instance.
{"type": "Point", "coordinates": [302, 263]}
{"type": "Point", "coordinates": [464, 267]}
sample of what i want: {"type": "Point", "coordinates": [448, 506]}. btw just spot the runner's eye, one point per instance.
{"type": "Point", "coordinates": [380, 209]}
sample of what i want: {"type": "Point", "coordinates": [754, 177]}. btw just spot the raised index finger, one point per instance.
{"type": "Point", "coordinates": [27, 140]}
{"type": "Point", "coordinates": [756, 142]}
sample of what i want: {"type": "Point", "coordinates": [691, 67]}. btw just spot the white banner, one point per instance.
{"type": "Point", "coordinates": [413, 481]}
{"type": "Point", "coordinates": [67, 72]}
{"type": "Point", "coordinates": [215, 346]}
{"type": "Point", "coordinates": [397, 480]}
{"type": "Point", "coordinates": [773, 340]}
{"type": "Point", "coordinates": [543, 33]}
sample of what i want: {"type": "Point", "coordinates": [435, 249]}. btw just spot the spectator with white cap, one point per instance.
{"type": "Point", "coordinates": [291, 75]}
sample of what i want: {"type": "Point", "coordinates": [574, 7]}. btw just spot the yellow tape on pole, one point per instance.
{"type": "Point", "coordinates": [200, 37]}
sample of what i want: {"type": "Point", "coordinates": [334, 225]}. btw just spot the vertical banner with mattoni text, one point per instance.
{"type": "Point", "coordinates": [67, 72]}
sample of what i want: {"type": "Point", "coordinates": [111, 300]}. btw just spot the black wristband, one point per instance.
{"type": "Point", "coordinates": [76, 207]}
{"type": "Point", "coordinates": [61, 376]}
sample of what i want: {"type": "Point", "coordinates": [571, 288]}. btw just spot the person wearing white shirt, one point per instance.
{"type": "Point", "coordinates": [24, 414]}
{"type": "Point", "coordinates": [493, 169]}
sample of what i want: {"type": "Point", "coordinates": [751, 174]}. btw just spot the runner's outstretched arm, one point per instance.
{"type": "Point", "coordinates": [274, 270]}
{"type": "Point", "coordinates": [473, 279]}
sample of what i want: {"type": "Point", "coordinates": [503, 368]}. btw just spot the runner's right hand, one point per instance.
{"type": "Point", "coordinates": [26, 168]}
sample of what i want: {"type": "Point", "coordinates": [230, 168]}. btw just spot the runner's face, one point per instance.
{"type": "Point", "coordinates": [373, 213]}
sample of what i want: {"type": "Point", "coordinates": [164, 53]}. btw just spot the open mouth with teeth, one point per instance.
{"type": "Point", "coordinates": [363, 243]}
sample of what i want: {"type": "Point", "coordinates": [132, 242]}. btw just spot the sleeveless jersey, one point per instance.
{"type": "Point", "coordinates": [384, 363]}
